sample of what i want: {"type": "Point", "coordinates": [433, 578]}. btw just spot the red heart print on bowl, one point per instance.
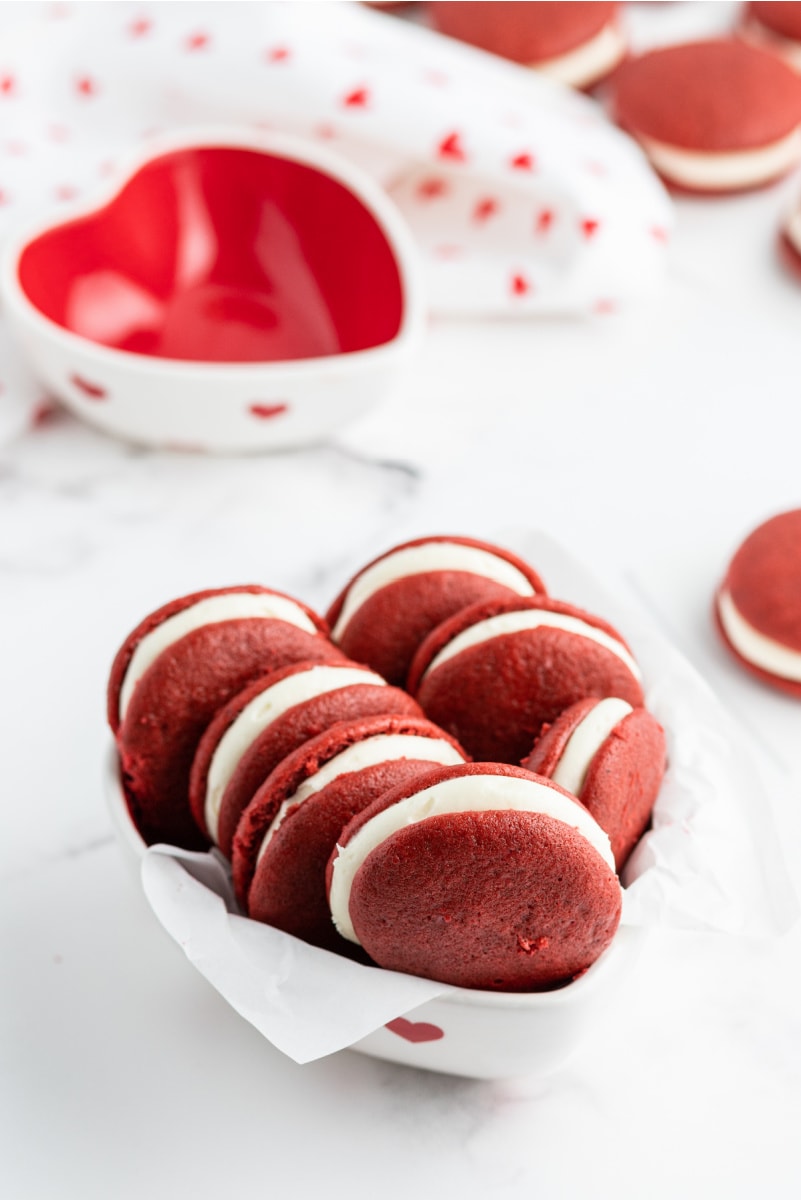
{"type": "Point", "coordinates": [415, 1031]}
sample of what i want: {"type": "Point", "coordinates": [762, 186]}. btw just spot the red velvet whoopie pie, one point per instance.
{"type": "Point", "coordinates": [273, 716]}
{"type": "Point", "coordinates": [386, 610]}
{"type": "Point", "coordinates": [611, 756]}
{"type": "Point", "coordinates": [713, 116]}
{"type": "Point", "coordinates": [578, 44]}
{"type": "Point", "coordinates": [758, 604]}
{"type": "Point", "coordinates": [481, 876]}
{"type": "Point", "coordinates": [290, 828]}
{"type": "Point", "coordinates": [494, 674]}
{"type": "Point", "coordinates": [175, 670]}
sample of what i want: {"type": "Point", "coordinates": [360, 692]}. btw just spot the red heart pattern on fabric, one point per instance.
{"type": "Point", "coordinates": [358, 98]}
{"type": "Point", "coordinates": [451, 147]}
{"type": "Point", "coordinates": [485, 209]}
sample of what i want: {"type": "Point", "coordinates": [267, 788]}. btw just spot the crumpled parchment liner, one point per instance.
{"type": "Point", "coordinates": [710, 863]}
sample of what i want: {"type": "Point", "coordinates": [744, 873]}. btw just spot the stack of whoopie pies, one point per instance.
{"type": "Point", "coordinates": [363, 773]}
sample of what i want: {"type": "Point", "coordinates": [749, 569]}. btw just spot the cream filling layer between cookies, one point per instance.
{"type": "Point", "coordinates": [711, 170]}
{"type": "Point", "coordinates": [589, 62]}
{"type": "Point", "coordinates": [761, 651]}
{"type": "Point", "coordinates": [586, 740]}
{"type": "Point", "coordinates": [420, 560]}
{"type": "Point", "coordinates": [262, 710]}
{"type": "Point", "coordinates": [465, 794]}
{"type": "Point", "coordinates": [383, 747]}
{"type": "Point", "coordinates": [519, 622]}
{"type": "Point", "coordinates": [231, 606]}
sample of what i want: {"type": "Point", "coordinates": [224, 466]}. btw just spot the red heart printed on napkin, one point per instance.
{"type": "Point", "coordinates": [415, 1031]}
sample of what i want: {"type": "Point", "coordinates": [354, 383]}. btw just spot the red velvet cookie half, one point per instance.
{"type": "Point", "coordinates": [384, 613]}
{"type": "Point", "coordinates": [173, 673]}
{"type": "Point", "coordinates": [714, 116]}
{"type": "Point", "coordinates": [275, 715]}
{"type": "Point", "coordinates": [481, 876]}
{"type": "Point", "coordinates": [495, 673]}
{"type": "Point", "coordinates": [612, 757]}
{"type": "Point", "coordinates": [758, 605]}
{"type": "Point", "coordinates": [578, 44]}
{"type": "Point", "coordinates": [290, 829]}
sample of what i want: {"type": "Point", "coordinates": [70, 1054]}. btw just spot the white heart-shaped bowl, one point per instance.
{"type": "Point", "coordinates": [234, 291]}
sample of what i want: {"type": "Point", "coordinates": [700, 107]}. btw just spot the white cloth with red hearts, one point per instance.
{"type": "Point", "coordinates": [522, 197]}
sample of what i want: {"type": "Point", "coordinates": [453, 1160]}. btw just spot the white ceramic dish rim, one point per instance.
{"type": "Point", "coordinates": [281, 145]}
{"type": "Point", "coordinates": [626, 941]}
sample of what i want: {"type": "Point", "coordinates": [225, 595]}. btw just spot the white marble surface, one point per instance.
{"type": "Point", "coordinates": [649, 443]}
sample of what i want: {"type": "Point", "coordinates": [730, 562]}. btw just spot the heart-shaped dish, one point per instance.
{"type": "Point", "coordinates": [236, 291]}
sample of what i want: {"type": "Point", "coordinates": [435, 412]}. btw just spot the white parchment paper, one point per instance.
{"type": "Point", "coordinates": [711, 861]}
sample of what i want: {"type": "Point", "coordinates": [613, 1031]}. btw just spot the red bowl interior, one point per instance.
{"type": "Point", "coordinates": [221, 254]}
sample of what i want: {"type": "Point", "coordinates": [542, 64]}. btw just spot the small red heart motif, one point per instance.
{"type": "Point", "coordinates": [485, 209]}
{"type": "Point", "coordinates": [520, 285]}
{"type": "Point", "coordinates": [523, 162]}
{"type": "Point", "coordinates": [451, 147]}
{"type": "Point", "coordinates": [140, 27]}
{"type": "Point", "coordinates": [589, 227]}
{"type": "Point", "coordinates": [43, 413]}
{"type": "Point", "coordinates": [358, 98]}
{"type": "Point", "coordinates": [277, 54]}
{"type": "Point", "coordinates": [85, 86]}
{"type": "Point", "coordinates": [93, 390]}
{"type": "Point", "coordinates": [659, 233]}
{"type": "Point", "coordinates": [429, 188]}
{"type": "Point", "coordinates": [197, 41]}
{"type": "Point", "coordinates": [7, 84]}
{"type": "Point", "coordinates": [544, 220]}
{"type": "Point", "coordinates": [415, 1031]}
{"type": "Point", "coordinates": [265, 411]}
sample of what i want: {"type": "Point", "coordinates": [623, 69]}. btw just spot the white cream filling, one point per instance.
{"type": "Point", "coordinates": [711, 170]}
{"type": "Point", "coordinates": [518, 622]}
{"type": "Point", "coordinates": [586, 740]}
{"type": "Point", "coordinates": [420, 560]}
{"type": "Point", "coordinates": [228, 607]}
{"type": "Point", "coordinates": [589, 62]}
{"type": "Point", "coordinates": [762, 651]}
{"type": "Point", "coordinates": [467, 793]}
{"type": "Point", "coordinates": [384, 747]}
{"type": "Point", "coordinates": [262, 710]}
